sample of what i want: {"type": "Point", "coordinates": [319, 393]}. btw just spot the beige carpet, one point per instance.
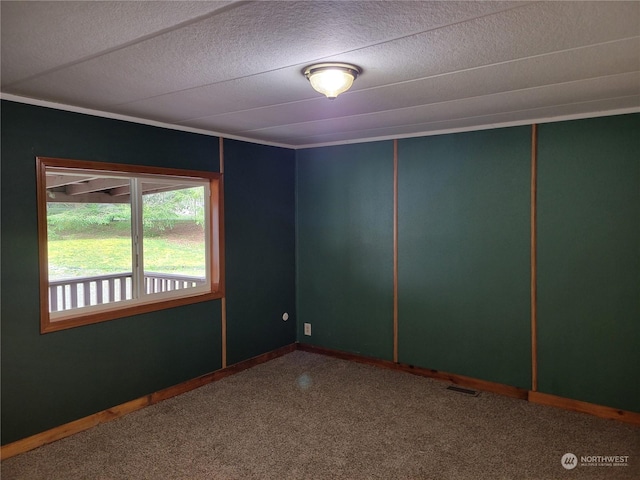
{"type": "Point", "coordinates": [308, 416]}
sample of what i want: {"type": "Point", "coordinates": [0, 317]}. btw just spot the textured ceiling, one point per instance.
{"type": "Point", "coordinates": [234, 68]}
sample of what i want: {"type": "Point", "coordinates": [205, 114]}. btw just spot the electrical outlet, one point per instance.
{"type": "Point", "coordinates": [307, 329]}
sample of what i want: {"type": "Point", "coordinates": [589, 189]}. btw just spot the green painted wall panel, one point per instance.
{"type": "Point", "coordinates": [464, 234]}
{"type": "Point", "coordinates": [260, 248]}
{"type": "Point", "coordinates": [345, 247]}
{"type": "Point", "coordinates": [51, 379]}
{"type": "Point", "coordinates": [589, 260]}
{"type": "Point", "coordinates": [464, 261]}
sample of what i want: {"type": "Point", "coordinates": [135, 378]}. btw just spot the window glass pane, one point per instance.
{"type": "Point", "coordinates": [88, 240]}
{"type": "Point", "coordinates": [174, 245]}
{"type": "Point", "coordinates": [122, 241]}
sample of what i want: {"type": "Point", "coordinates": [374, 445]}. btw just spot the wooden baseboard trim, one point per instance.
{"type": "Point", "coordinates": [354, 357]}
{"type": "Point", "coordinates": [484, 385]}
{"type": "Point", "coordinates": [585, 407]}
{"type": "Point", "coordinates": [460, 380]}
{"type": "Point", "coordinates": [252, 362]}
{"type": "Point", "coordinates": [68, 429]}
{"type": "Point", "coordinates": [76, 426]}
{"type": "Point", "coordinates": [469, 382]}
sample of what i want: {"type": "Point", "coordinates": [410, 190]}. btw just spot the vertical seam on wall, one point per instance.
{"type": "Point", "coordinates": [223, 302]}
{"type": "Point", "coordinates": [296, 242]}
{"type": "Point", "coordinates": [395, 250]}
{"type": "Point", "coordinates": [534, 252]}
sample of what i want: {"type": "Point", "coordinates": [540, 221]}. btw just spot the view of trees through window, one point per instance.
{"type": "Point", "coordinates": [90, 241]}
{"type": "Point", "coordinates": [95, 238]}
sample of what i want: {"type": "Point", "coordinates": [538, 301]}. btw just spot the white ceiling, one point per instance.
{"type": "Point", "coordinates": [234, 68]}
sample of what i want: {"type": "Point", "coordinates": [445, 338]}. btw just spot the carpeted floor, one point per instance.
{"type": "Point", "coordinates": [308, 416]}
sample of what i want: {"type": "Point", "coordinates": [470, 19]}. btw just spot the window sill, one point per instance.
{"type": "Point", "coordinates": [47, 325]}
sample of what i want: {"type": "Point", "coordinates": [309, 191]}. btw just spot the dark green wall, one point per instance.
{"type": "Point", "coordinates": [589, 260]}
{"type": "Point", "coordinates": [464, 254]}
{"type": "Point", "coordinates": [464, 261]}
{"type": "Point", "coordinates": [464, 246]}
{"type": "Point", "coordinates": [52, 379]}
{"type": "Point", "coordinates": [345, 247]}
{"type": "Point", "coordinates": [260, 248]}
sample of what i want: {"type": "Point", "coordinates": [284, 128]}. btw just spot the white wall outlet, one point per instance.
{"type": "Point", "coordinates": [307, 329]}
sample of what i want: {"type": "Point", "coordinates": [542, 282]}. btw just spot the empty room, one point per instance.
{"type": "Point", "coordinates": [320, 240]}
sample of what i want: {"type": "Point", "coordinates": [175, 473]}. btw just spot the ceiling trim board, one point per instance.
{"type": "Point", "coordinates": [488, 126]}
{"type": "Point", "coordinates": [127, 118]}
{"type": "Point", "coordinates": [142, 121]}
{"type": "Point", "coordinates": [476, 120]}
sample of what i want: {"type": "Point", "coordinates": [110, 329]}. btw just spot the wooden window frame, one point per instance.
{"type": "Point", "coordinates": [118, 310]}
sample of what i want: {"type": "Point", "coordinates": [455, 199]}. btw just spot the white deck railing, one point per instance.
{"type": "Point", "coordinates": [85, 291]}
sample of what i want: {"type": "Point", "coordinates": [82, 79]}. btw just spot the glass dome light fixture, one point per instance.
{"type": "Point", "coordinates": [332, 79]}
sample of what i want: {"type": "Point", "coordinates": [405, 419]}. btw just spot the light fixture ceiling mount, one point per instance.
{"type": "Point", "coordinates": [332, 79]}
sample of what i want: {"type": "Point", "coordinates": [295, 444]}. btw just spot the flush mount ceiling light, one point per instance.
{"type": "Point", "coordinates": [331, 79]}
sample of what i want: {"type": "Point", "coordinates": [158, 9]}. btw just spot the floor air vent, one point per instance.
{"type": "Point", "coordinates": [466, 391]}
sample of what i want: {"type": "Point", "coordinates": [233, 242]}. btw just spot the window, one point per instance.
{"type": "Point", "coordinates": [119, 240]}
